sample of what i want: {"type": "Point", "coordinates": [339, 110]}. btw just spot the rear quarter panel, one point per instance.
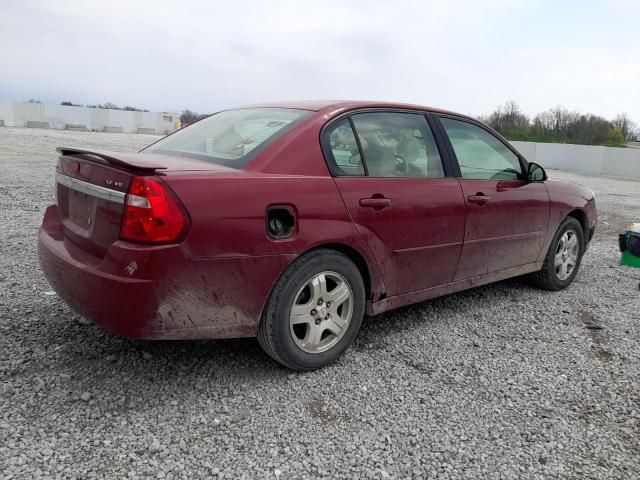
{"type": "Point", "coordinates": [229, 214]}
{"type": "Point", "coordinates": [232, 262]}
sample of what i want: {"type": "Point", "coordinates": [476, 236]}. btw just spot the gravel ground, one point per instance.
{"type": "Point", "coordinates": [503, 381]}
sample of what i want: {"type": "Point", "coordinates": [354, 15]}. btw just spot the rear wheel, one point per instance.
{"type": "Point", "coordinates": [563, 258]}
{"type": "Point", "coordinates": [314, 312]}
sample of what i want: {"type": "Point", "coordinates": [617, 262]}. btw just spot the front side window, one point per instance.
{"type": "Point", "coordinates": [397, 145]}
{"type": "Point", "coordinates": [229, 137]}
{"type": "Point", "coordinates": [481, 155]}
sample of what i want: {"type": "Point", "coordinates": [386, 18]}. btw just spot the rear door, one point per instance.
{"type": "Point", "coordinates": [394, 184]}
{"type": "Point", "coordinates": [507, 215]}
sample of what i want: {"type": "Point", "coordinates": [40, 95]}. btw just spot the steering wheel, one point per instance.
{"type": "Point", "coordinates": [402, 165]}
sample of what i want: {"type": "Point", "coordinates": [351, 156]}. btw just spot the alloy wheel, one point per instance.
{"type": "Point", "coordinates": [567, 253]}
{"type": "Point", "coordinates": [321, 312]}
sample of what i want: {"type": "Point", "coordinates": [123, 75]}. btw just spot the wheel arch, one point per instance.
{"type": "Point", "coordinates": [579, 215]}
{"type": "Point", "coordinates": [372, 285]}
{"type": "Point", "coordinates": [355, 256]}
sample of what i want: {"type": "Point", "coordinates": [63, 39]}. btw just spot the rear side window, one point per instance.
{"type": "Point", "coordinates": [480, 154]}
{"type": "Point", "coordinates": [344, 149]}
{"type": "Point", "coordinates": [397, 144]}
{"type": "Point", "coordinates": [230, 137]}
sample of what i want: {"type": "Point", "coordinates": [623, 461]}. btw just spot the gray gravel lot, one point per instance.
{"type": "Point", "coordinates": [503, 381]}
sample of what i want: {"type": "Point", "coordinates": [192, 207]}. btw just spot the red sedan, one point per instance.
{"type": "Point", "coordinates": [291, 221]}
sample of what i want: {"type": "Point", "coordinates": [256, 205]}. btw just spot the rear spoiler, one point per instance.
{"type": "Point", "coordinates": [128, 161]}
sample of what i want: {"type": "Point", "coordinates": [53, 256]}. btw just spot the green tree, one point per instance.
{"type": "Point", "coordinates": [626, 126]}
{"type": "Point", "coordinates": [615, 137]}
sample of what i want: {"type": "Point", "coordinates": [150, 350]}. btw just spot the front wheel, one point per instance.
{"type": "Point", "coordinates": [314, 312]}
{"type": "Point", "coordinates": [563, 258]}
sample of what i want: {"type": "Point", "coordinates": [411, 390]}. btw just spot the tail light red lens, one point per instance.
{"type": "Point", "coordinates": [152, 214]}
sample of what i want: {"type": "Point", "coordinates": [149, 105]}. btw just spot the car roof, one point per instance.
{"type": "Point", "coordinates": [336, 106]}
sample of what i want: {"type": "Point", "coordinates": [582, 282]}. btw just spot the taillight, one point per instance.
{"type": "Point", "coordinates": [151, 213]}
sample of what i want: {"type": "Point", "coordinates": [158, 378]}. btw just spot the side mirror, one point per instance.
{"type": "Point", "coordinates": [536, 173]}
{"type": "Point", "coordinates": [355, 159]}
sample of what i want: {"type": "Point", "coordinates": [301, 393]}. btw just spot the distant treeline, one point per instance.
{"type": "Point", "coordinates": [560, 125]}
{"type": "Point", "coordinates": [108, 105]}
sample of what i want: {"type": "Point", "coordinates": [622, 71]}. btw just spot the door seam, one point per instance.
{"type": "Point", "coordinates": [355, 225]}
{"type": "Point", "coordinates": [464, 232]}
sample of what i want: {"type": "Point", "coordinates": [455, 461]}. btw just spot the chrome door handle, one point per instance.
{"type": "Point", "coordinates": [377, 203]}
{"type": "Point", "coordinates": [479, 198]}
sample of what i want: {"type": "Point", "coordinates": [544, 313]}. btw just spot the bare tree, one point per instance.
{"type": "Point", "coordinates": [555, 124]}
{"type": "Point", "coordinates": [508, 119]}
{"type": "Point", "coordinates": [626, 126]}
{"type": "Point", "coordinates": [563, 119]}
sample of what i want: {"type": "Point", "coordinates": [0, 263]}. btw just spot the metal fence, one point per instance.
{"type": "Point", "coordinates": [622, 162]}
{"type": "Point", "coordinates": [62, 117]}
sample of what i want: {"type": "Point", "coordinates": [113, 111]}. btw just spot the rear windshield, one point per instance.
{"type": "Point", "coordinates": [231, 137]}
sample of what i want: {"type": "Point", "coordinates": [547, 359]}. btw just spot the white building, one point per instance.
{"type": "Point", "coordinates": [61, 117]}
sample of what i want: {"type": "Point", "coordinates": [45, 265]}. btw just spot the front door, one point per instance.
{"type": "Point", "coordinates": [393, 183]}
{"type": "Point", "coordinates": [507, 216]}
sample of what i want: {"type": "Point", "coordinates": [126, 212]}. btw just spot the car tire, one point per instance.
{"type": "Point", "coordinates": [556, 273]}
{"type": "Point", "coordinates": [301, 328]}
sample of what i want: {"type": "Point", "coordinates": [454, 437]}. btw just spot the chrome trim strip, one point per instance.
{"type": "Point", "coordinates": [90, 189]}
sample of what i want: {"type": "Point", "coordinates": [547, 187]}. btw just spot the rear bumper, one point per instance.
{"type": "Point", "coordinates": [125, 306]}
{"type": "Point", "coordinates": [158, 292]}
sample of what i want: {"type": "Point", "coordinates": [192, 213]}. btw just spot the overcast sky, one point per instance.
{"type": "Point", "coordinates": [463, 55]}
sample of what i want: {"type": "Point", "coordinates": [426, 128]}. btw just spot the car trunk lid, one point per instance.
{"type": "Point", "coordinates": [90, 196]}
{"type": "Point", "coordinates": [91, 188]}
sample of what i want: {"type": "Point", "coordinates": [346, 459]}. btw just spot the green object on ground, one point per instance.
{"type": "Point", "coordinates": [629, 242]}
{"type": "Point", "coordinates": [629, 259]}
